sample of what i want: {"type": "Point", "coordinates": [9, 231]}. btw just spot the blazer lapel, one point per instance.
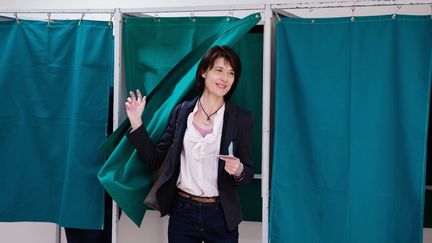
{"type": "Point", "coordinates": [228, 131]}
{"type": "Point", "coordinates": [182, 119]}
{"type": "Point", "coordinates": [181, 128]}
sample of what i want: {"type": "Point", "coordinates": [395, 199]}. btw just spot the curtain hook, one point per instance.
{"type": "Point", "coordinates": [156, 17]}
{"type": "Point", "coordinates": [277, 17]}
{"type": "Point", "coordinates": [82, 16]}
{"type": "Point", "coordinates": [192, 16]}
{"type": "Point", "coordinates": [397, 11]}
{"type": "Point", "coordinates": [111, 18]}
{"type": "Point", "coordinates": [352, 14]}
{"type": "Point", "coordinates": [49, 18]}
{"type": "Point", "coordinates": [16, 17]}
{"type": "Point", "coordinates": [231, 15]}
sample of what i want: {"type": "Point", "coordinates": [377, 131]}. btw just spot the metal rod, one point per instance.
{"type": "Point", "coordinates": [119, 97]}
{"type": "Point", "coordinates": [285, 13]}
{"type": "Point", "coordinates": [265, 149]}
{"type": "Point", "coordinates": [257, 176]}
{"type": "Point", "coordinates": [346, 4]}
{"type": "Point", "coordinates": [58, 11]}
{"type": "Point", "coordinates": [255, 7]}
{"type": "Point", "coordinates": [58, 234]}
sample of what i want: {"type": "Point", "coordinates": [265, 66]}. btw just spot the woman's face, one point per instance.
{"type": "Point", "coordinates": [219, 79]}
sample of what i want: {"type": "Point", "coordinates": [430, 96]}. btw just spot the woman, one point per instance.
{"type": "Point", "coordinates": [210, 144]}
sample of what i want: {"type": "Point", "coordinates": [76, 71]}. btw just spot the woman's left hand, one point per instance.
{"type": "Point", "coordinates": [233, 165]}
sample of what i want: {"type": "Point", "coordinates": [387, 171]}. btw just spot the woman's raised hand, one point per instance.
{"type": "Point", "coordinates": [135, 108]}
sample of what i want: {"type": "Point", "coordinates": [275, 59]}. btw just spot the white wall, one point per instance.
{"type": "Point", "coordinates": [153, 228]}
{"type": "Point", "coordinates": [24, 232]}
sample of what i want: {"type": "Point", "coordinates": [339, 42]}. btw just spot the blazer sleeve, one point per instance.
{"type": "Point", "coordinates": [244, 148]}
{"type": "Point", "coordinates": [154, 154]}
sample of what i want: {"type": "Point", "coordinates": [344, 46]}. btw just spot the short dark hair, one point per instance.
{"type": "Point", "coordinates": [207, 63]}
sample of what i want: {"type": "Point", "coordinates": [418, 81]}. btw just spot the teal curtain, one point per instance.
{"type": "Point", "coordinates": [124, 176]}
{"type": "Point", "coordinates": [54, 84]}
{"type": "Point", "coordinates": [351, 112]}
{"type": "Point", "coordinates": [248, 95]}
{"type": "Point", "coordinates": [150, 40]}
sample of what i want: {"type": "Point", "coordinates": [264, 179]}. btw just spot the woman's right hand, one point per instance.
{"type": "Point", "coordinates": [135, 108]}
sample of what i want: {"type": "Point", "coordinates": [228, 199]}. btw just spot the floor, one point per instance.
{"type": "Point", "coordinates": [427, 235]}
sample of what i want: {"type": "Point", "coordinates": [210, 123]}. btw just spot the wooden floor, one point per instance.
{"type": "Point", "coordinates": [427, 235]}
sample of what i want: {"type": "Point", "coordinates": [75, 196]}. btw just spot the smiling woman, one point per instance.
{"type": "Point", "coordinates": [223, 65]}
{"type": "Point", "coordinates": [219, 78]}
{"type": "Point", "coordinates": [199, 185]}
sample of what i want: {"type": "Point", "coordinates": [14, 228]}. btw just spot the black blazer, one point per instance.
{"type": "Point", "coordinates": [237, 128]}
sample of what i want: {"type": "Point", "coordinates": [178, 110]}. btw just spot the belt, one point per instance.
{"type": "Point", "coordinates": [199, 199]}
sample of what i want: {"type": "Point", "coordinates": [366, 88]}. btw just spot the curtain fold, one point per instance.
{"type": "Point", "coordinates": [248, 95]}
{"type": "Point", "coordinates": [54, 87]}
{"type": "Point", "coordinates": [351, 115]}
{"type": "Point", "coordinates": [124, 176]}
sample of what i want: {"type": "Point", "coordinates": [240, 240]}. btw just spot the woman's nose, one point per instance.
{"type": "Point", "coordinates": [225, 76]}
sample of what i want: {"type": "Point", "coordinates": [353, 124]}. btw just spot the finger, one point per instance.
{"type": "Point", "coordinates": [223, 159]}
{"type": "Point", "coordinates": [228, 170]}
{"type": "Point", "coordinates": [129, 99]}
{"type": "Point", "coordinates": [229, 165]}
{"type": "Point", "coordinates": [228, 159]}
{"type": "Point", "coordinates": [231, 159]}
{"type": "Point", "coordinates": [234, 168]}
{"type": "Point", "coordinates": [143, 100]}
{"type": "Point", "coordinates": [139, 95]}
{"type": "Point", "coordinates": [232, 162]}
{"type": "Point", "coordinates": [127, 105]}
{"type": "Point", "coordinates": [132, 95]}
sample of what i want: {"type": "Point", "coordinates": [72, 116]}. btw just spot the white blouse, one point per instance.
{"type": "Point", "coordinates": [199, 158]}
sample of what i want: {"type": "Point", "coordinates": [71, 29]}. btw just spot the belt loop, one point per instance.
{"type": "Point", "coordinates": [189, 199]}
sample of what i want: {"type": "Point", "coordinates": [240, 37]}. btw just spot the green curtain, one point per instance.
{"type": "Point", "coordinates": [150, 40]}
{"type": "Point", "coordinates": [124, 176]}
{"type": "Point", "coordinates": [54, 84]}
{"type": "Point", "coordinates": [248, 95]}
{"type": "Point", "coordinates": [351, 113]}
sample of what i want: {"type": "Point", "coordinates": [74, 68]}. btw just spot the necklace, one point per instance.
{"type": "Point", "coordinates": [208, 121]}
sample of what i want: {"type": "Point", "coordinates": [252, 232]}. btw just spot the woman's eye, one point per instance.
{"type": "Point", "coordinates": [231, 73]}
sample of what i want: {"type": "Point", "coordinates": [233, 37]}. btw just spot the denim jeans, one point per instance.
{"type": "Point", "coordinates": [191, 221]}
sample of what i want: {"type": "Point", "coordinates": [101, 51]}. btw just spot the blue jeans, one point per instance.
{"type": "Point", "coordinates": [191, 221]}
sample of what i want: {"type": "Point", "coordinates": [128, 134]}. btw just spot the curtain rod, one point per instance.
{"type": "Point", "coordinates": [59, 11]}
{"type": "Point", "coordinates": [230, 8]}
{"type": "Point", "coordinates": [219, 8]}
{"type": "Point", "coordinates": [348, 4]}
{"type": "Point", "coordinates": [256, 7]}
